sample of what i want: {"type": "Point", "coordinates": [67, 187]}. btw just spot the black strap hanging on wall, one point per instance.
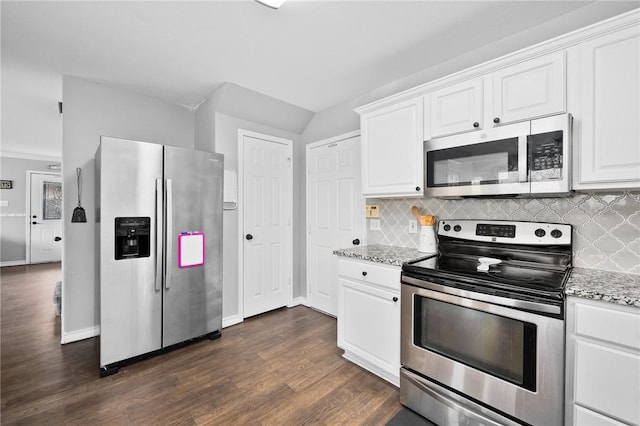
{"type": "Point", "coordinates": [79, 214]}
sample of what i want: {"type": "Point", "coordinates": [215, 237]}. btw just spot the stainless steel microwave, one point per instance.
{"type": "Point", "coordinates": [530, 158]}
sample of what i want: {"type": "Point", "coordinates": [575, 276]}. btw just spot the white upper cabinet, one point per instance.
{"type": "Point", "coordinates": [392, 139]}
{"type": "Point", "coordinates": [608, 152]}
{"type": "Point", "coordinates": [455, 109]}
{"type": "Point", "coordinates": [526, 90]}
{"type": "Point", "coordinates": [592, 73]}
{"type": "Point", "coordinates": [534, 88]}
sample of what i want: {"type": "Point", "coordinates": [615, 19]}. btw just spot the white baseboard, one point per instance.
{"type": "Point", "coordinates": [232, 320]}
{"type": "Point", "coordinates": [298, 301]}
{"type": "Point", "coordinates": [12, 263]}
{"type": "Point", "coordinates": [74, 336]}
{"type": "Point", "coordinates": [394, 379]}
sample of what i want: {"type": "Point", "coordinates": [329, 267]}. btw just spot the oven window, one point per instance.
{"type": "Point", "coordinates": [500, 346]}
{"type": "Point", "coordinates": [478, 164]}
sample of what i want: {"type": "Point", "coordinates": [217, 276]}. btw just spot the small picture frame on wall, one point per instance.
{"type": "Point", "coordinates": [6, 184]}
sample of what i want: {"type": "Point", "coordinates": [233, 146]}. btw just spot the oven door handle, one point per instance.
{"type": "Point", "coordinates": [449, 293]}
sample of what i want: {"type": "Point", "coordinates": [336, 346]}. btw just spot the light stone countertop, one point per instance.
{"type": "Point", "coordinates": [612, 287]}
{"type": "Point", "coordinates": [389, 255]}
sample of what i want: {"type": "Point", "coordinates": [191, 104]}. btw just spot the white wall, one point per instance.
{"type": "Point", "coordinates": [92, 110]}
{"type": "Point", "coordinates": [14, 217]}
{"type": "Point", "coordinates": [341, 118]}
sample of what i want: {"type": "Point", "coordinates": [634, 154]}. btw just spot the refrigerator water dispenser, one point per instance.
{"type": "Point", "coordinates": [133, 237]}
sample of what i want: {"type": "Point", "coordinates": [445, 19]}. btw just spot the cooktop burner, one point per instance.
{"type": "Point", "coordinates": [508, 276]}
{"type": "Point", "coordinates": [513, 259]}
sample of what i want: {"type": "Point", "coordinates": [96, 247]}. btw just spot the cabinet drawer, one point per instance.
{"type": "Point", "coordinates": [607, 381]}
{"type": "Point", "coordinates": [584, 417]}
{"type": "Point", "coordinates": [607, 324]}
{"type": "Point", "coordinates": [386, 276]}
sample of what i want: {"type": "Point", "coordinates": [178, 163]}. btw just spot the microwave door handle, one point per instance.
{"type": "Point", "coordinates": [523, 160]}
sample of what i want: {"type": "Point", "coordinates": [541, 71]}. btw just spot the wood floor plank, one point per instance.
{"type": "Point", "coordinates": [279, 368]}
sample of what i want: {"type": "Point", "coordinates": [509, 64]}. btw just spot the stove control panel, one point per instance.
{"type": "Point", "coordinates": [493, 230]}
{"type": "Point", "coordinates": [511, 232]}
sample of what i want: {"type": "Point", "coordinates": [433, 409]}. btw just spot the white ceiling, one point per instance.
{"type": "Point", "coordinates": [313, 54]}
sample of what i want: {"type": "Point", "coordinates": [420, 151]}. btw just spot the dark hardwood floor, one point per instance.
{"type": "Point", "coordinates": [280, 368]}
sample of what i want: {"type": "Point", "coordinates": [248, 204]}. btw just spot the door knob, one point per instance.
{"type": "Point", "coordinates": [57, 239]}
{"type": "Point", "coordinates": [356, 242]}
{"type": "Point", "coordinates": [249, 237]}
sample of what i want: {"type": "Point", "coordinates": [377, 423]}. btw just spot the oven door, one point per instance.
{"type": "Point", "coordinates": [504, 359]}
{"type": "Point", "coordinates": [478, 163]}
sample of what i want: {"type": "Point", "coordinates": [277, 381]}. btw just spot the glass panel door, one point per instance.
{"type": "Point", "coordinates": [51, 200]}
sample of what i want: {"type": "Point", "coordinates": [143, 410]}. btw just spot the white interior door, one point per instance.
{"type": "Point", "coordinates": [45, 217]}
{"type": "Point", "coordinates": [267, 225]}
{"type": "Point", "coordinates": [335, 211]}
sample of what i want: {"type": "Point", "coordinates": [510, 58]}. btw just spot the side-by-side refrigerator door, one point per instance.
{"type": "Point", "coordinates": [192, 305]}
{"type": "Point", "coordinates": [130, 174]}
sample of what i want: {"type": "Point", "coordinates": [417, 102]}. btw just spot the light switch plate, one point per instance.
{"type": "Point", "coordinates": [413, 226]}
{"type": "Point", "coordinates": [374, 224]}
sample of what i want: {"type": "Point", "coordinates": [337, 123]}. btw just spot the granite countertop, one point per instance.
{"type": "Point", "coordinates": [612, 287]}
{"type": "Point", "coordinates": [379, 253]}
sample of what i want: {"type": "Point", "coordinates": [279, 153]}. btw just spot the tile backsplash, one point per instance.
{"type": "Point", "coordinates": [606, 226]}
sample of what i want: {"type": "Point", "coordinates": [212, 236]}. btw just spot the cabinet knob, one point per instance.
{"type": "Point", "coordinates": [249, 237]}
{"type": "Point", "coordinates": [57, 239]}
{"type": "Point", "coordinates": [34, 223]}
{"type": "Point", "coordinates": [395, 299]}
{"type": "Point", "coordinates": [417, 188]}
{"type": "Point", "coordinates": [364, 273]}
{"type": "Point", "coordinates": [356, 242]}
{"type": "Point", "coordinates": [496, 120]}
{"type": "Point", "coordinates": [476, 124]}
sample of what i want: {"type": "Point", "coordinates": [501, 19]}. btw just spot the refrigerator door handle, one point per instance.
{"type": "Point", "coordinates": [169, 235]}
{"type": "Point", "coordinates": [159, 238]}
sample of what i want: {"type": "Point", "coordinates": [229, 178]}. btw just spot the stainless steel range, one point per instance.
{"type": "Point", "coordinates": [483, 324]}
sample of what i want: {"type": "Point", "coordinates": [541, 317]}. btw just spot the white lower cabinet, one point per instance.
{"type": "Point", "coordinates": [369, 316]}
{"type": "Point", "coordinates": [603, 363]}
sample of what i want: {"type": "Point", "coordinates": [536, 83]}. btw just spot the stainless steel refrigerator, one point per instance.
{"type": "Point", "coordinates": [159, 254]}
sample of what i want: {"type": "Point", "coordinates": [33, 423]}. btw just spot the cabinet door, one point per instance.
{"type": "Point", "coordinates": [392, 164]}
{"type": "Point", "coordinates": [607, 381]}
{"type": "Point", "coordinates": [531, 89]}
{"type": "Point", "coordinates": [369, 324]}
{"type": "Point", "coordinates": [609, 151]}
{"type": "Point", "coordinates": [456, 109]}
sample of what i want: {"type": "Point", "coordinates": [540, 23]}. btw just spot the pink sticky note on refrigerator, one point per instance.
{"type": "Point", "coordinates": [190, 249]}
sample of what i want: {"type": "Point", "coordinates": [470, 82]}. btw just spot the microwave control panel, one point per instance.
{"type": "Point", "coordinates": [545, 161]}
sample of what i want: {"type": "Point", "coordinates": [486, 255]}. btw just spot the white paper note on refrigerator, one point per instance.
{"type": "Point", "coordinates": [190, 249]}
